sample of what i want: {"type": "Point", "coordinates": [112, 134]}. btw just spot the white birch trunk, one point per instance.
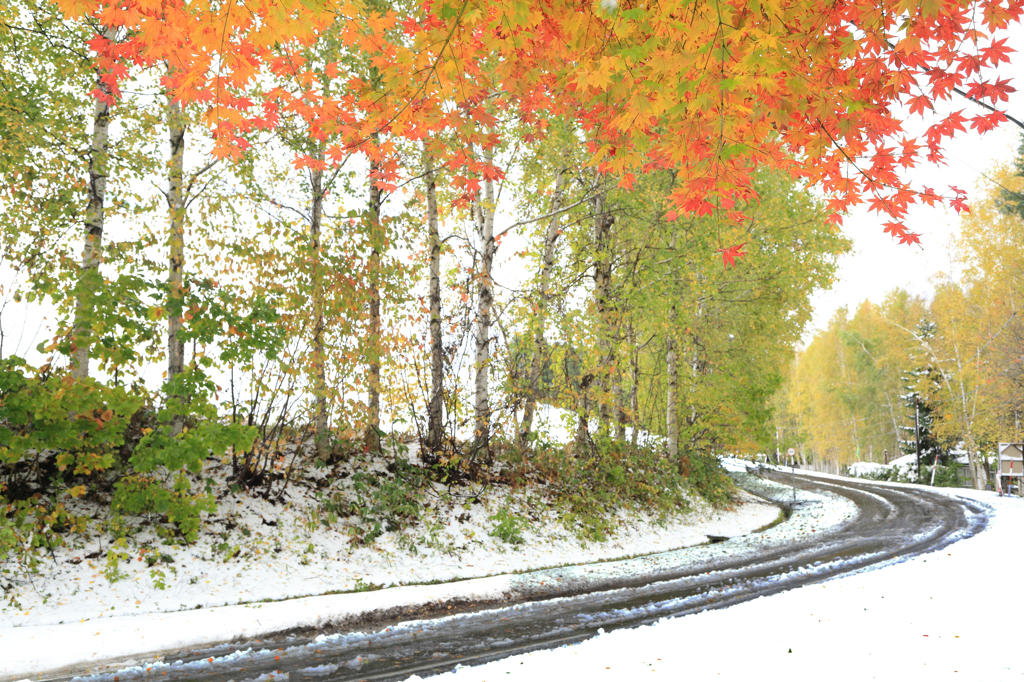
{"type": "Point", "coordinates": [372, 437]}
{"type": "Point", "coordinates": [634, 389]}
{"type": "Point", "coordinates": [672, 392]}
{"type": "Point", "coordinates": [321, 423]}
{"type": "Point", "coordinates": [671, 409]}
{"type": "Point", "coordinates": [485, 226]}
{"type": "Point", "coordinates": [176, 246]}
{"type": "Point", "coordinates": [94, 214]}
{"type": "Point", "coordinates": [435, 407]}
{"type": "Point", "coordinates": [602, 288]}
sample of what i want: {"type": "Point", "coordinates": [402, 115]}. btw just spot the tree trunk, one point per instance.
{"type": "Point", "coordinates": [321, 431]}
{"type": "Point", "coordinates": [176, 242]}
{"type": "Point", "coordinates": [543, 295]}
{"type": "Point", "coordinates": [634, 389]}
{"type": "Point", "coordinates": [620, 410]}
{"type": "Point", "coordinates": [671, 412]}
{"type": "Point", "coordinates": [974, 465]}
{"type": "Point", "coordinates": [485, 226]}
{"type": "Point", "coordinates": [435, 414]}
{"type": "Point", "coordinates": [671, 397]}
{"type": "Point", "coordinates": [602, 289]}
{"type": "Point", "coordinates": [372, 437]}
{"type": "Point", "coordinates": [94, 213]}
{"type": "Point", "coordinates": [583, 415]}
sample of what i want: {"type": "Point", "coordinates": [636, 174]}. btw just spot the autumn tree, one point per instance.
{"type": "Point", "coordinates": [42, 104]}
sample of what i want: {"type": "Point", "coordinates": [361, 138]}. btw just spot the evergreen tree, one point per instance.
{"type": "Point", "coordinates": [921, 384]}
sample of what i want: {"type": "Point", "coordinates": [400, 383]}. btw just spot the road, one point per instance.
{"type": "Point", "coordinates": [894, 523]}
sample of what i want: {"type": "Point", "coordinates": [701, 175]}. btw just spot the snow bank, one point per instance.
{"type": "Point", "coordinates": [92, 631]}
{"type": "Point", "coordinates": [110, 642]}
{"type": "Point", "coordinates": [863, 469]}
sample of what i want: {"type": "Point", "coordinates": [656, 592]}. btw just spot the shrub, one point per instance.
{"type": "Point", "coordinates": [161, 454]}
{"type": "Point", "coordinates": [386, 503]}
{"type": "Point", "coordinates": [611, 475]}
{"type": "Point", "coordinates": [58, 437]}
{"type": "Point", "coordinates": [707, 478]}
{"type": "Point", "coordinates": [141, 494]}
{"type": "Point", "coordinates": [508, 527]}
{"type": "Point", "coordinates": [53, 427]}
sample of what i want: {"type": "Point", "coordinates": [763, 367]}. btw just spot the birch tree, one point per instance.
{"type": "Point", "coordinates": [484, 210]}
{"type": "Point", "coordinates": [92, 247]}
{"type": "Point", "coordinates": [435, 404]}
{"type": "Point", "coordinates": [539, 320]}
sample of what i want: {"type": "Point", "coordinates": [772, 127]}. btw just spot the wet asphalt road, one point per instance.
{"type": "Point", "coordinates": [894, 523]}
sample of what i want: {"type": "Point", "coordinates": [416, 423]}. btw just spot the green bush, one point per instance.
{"type": "Point", "coordinates": [141, 494]}
{"type": "Point", "coordinates": [161, 454]}
{"type": "Point", "coordinates": [950, 476]}
{"type": "Point", "coordinates": [508, 527]}
{"type": "Point", "coordinates": [58, 437]}
{"type": "Point", "coordinates": [386, 503]}
{"type": "Point", "coordinates": [707, 478]}
{"type": "Point", "coordinates": [591, 486]}
{"type": "Point", "coordinates": [79, 424]}
{"type": "Point", "coordinates": [61, 437]}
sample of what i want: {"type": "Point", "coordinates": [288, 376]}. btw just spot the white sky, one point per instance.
{"type": "Point", "coordinates": [879, 264]}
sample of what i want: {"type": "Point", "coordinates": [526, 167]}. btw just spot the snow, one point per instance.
{"type": "Point", "coordinates": [934, 617]}
{"type": "Point", "coordinates": [123, 638]}
{"type": "Point", "coordinates": [940, 616]}
{"type": "Point", "coordinates": [212, 596]}
{"type": "Point", "coordinates": [864, 469]}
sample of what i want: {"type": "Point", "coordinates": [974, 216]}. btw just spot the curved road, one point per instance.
{"type": "Point", "coordinates": [894, 524]}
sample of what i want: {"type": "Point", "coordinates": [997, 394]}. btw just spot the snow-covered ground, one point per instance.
{"type": "Point", "coordinates": [272, 578]}
{"type": "Point", "coordinates": [30, 649]}
{"type": "Point", "coordinates": [253, 550]}
{"type": "Point", "coordinates": [866, 469]}
{"type": "Point", "coordinates": [933, 617]}
{"type": "Point", "coordinates": [948, 615]}
{"type": "Point", "coordinates": [288, 560]}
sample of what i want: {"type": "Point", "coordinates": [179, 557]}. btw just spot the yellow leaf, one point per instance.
{"type": "Point", "coordinates": [73, 9]}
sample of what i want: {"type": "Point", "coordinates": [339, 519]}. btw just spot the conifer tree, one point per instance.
{"type": "Point", "coordinates": [921, 384]}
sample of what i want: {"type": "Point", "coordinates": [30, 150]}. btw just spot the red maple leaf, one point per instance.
{"type": "Point", "coordinates": [959, 203]}
{"type": "Point", "coordinates": [895, 229]}
{"type": "Point", "coordinates": [730, 254]}
{"type": "Point", "coordinates": [919, 104]}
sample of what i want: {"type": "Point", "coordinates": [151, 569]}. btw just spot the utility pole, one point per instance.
{"type": "Point", "coordinates": [917, 437]}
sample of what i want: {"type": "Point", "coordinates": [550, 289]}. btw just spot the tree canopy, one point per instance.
{"type": "Point", "coordinates": [711, 90]}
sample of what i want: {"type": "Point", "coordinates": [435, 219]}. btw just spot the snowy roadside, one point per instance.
{"type": "Point", "coordinates": [255, 551]}
{"type": "Point", "coordinates": [939, 616]}
{"type": "Point", "coordinates": [97, 634]}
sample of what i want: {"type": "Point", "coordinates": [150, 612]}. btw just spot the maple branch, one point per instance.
{"type": "Point", "coordinates": [424, 174]}
{"type": "Point", "coordinates": [872, 181]}
{"type": "Point", "coordinates": [432, 71]}
{"type": "Point", "coordinates": [988, 106]}
{"type": "Point", "coordinates": [278, 204]}
{"type": "Point", "coordinates": [329, 185]}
